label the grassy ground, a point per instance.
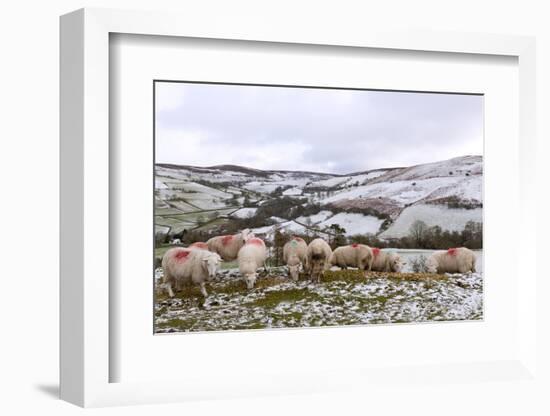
(344, 297)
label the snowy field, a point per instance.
(452, 219)
(344, 297)
(354, 223)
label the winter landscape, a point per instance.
(410, 213)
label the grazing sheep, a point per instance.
(318, 258)
(251, 257)
(175, 241)
(354, 255)
(294, 256)
(228, 246)
(453, 260)
(184, 266)
(386, 261)
(199, 245)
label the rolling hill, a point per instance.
(384, 202)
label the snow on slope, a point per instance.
(244, 212)
(458, 177)
(458, 166)
(268, 231)
(316, 218)
(452, 219)
(401, 193)
(348, 179)
(293, 191)
(354, 223)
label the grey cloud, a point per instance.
(340, 131)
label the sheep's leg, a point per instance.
(203, 290)
(167, 281)
(168, 286)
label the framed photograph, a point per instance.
(262, 192)
(304, 204)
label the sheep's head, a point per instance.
(211, 263)
(397, 263)
(431, 265)
(294, 271)
(245, 235)
(250, 279)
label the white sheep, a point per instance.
(353, 255)
(175, 241)
(318, 258)
(386, 261)
(294, 256)
(251, 257)
(199, 245)
(228, 246)
(183, 266)
(453, 260)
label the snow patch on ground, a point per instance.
(354, 223)
(403, 192)
(452, 219)
(293, 191)
(244, 212)
(160, 185)
(316, 218)
(341, 302)
(264, 187)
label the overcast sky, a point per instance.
(335, 131)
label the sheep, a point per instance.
(251, 257)
(184, 266)
(199, 245)
(294, 256)
(175, 242)
(318, 258)
(354, 255)
(228, 246)
(386, 261)
(453, 260)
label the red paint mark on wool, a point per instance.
(182, 255)
(355, 245)
(297, 238)
(255, 241)
(375, 251)
(200, 244)
(452, 251)
(226, 239)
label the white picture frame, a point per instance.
(85, 210)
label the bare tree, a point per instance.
(418, 232)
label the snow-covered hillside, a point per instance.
(446, 193)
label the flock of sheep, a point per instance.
(199, 262)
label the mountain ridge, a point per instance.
(243, 168)
(446, 193)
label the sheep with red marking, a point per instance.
(294, 256)
(251, 257)
(386, 261)
(353, 255)
(453, 260)
(228, 246)
(185, 266)
(318, 258)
